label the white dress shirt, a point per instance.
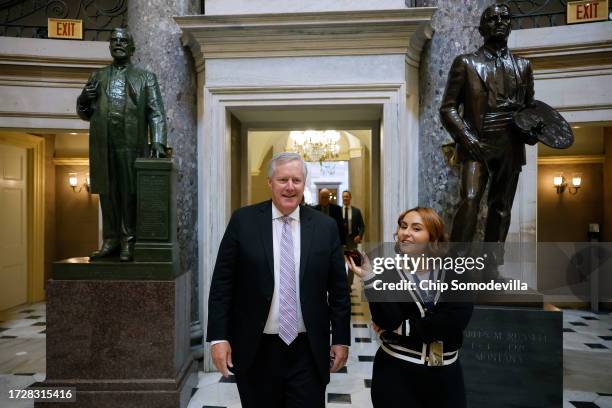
(277, 230)
(349, 210)
(271, 326)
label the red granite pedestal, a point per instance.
(119, 333)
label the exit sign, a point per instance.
(63, 28)
(586, 11)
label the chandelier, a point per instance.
(316, 145)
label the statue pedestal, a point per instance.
(511, 299)
(513, 357)
(119, 333)
(156, 217)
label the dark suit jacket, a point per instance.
(144, 113)
(335, 211)
(445, 322)
(471, 85)
(357, 224)
(243, 284)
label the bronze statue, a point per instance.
(123, 104)
(484, 91)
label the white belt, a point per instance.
(423, 359)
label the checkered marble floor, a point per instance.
(587, 360)
(22, 350)
(27, 321)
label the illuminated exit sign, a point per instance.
(586, 11)
(63, 28)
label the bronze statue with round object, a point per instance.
(489, 110)
(545, 124)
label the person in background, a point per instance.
(353, 226)
(333, 210)
(421, 331)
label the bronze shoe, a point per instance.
(110, 247)
(127, 252)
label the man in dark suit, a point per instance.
(278, 283)
(353, 226)
(331, 209)
(489, 86)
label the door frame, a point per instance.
(395, 144)
(372, 209)
(35, 147)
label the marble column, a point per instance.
(455, 25)
(159, 49)
(607, 227)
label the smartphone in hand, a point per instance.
(355, 255)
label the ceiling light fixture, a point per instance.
(316, 145)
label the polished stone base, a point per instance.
(121, 343)
(132, 393)
(519, 348)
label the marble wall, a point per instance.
(159, 49)
(41, 79)
(455, 25)
(75, 233)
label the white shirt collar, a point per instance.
(295, 215)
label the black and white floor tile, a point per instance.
(27, 321)
(587, 343)
(22, 350)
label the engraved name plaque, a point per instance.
(156, 224)
(520, 348)
(153, 206)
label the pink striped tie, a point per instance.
(287, 324)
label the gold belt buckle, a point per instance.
(436, 354)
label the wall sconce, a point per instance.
(560, 183)
(576, 183)
(73, 180)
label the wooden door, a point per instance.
(13, 226)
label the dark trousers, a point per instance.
(119, 205)
(401, 384)
(351, 245)
(474, 178)
(282, 376)
(504, 152)
(350, 278)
